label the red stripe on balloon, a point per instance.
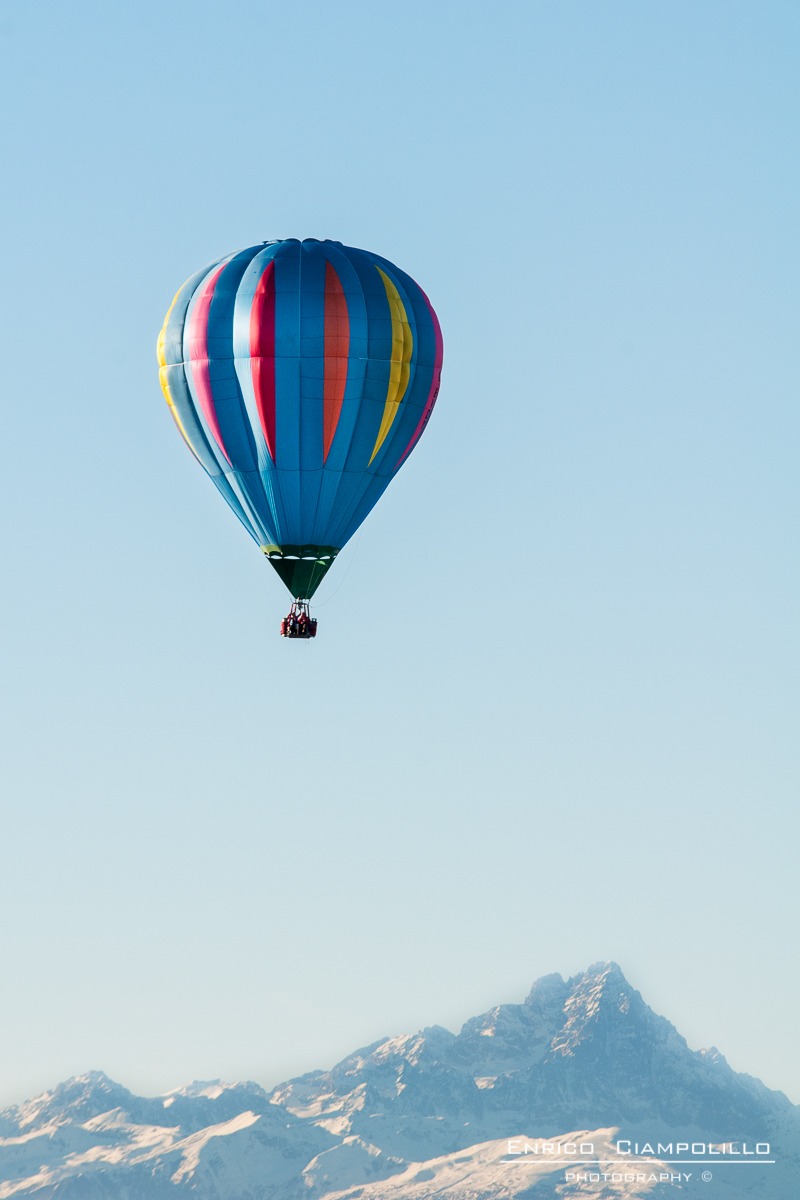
(435, 383)
(198, 356)
(336, 352)
(262, 354)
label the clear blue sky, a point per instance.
(551, 715)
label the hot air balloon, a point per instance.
(301, 375)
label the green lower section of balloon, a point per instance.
(302, 568)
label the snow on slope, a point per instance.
(484, 1173)
(417, 1115)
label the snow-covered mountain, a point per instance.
(581, 1064)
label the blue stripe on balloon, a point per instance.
(312, 356)
(287, 386)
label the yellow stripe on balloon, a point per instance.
(162, 375)
(400, 367)
(162, 337)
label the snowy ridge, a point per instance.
(426, 1114)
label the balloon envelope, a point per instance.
(301, 375)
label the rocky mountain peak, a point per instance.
(603, 997)
(547, 992)
(78, 1098)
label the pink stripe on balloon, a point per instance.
(197, 338)
(262, 354)
(336, 352)
(435, 383)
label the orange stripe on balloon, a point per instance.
(336, 352)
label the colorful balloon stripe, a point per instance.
(336, 352)
(262, 354)
(197, 338)
(435, 384)
(402, 349)
(163, 376)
